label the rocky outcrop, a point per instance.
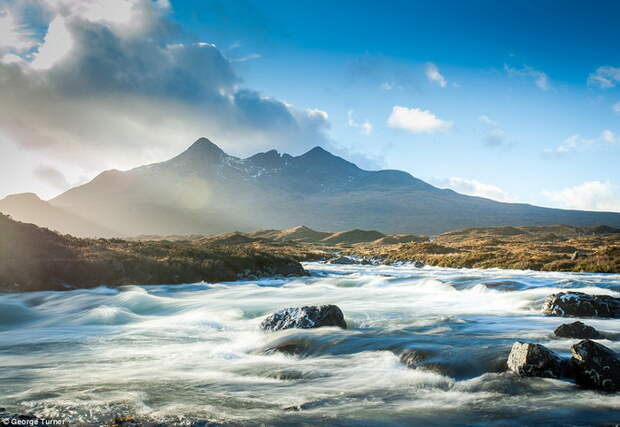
(306, 317)
(577, 330)
(579, 304)
(535, 360)
(596, 366)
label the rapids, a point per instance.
(182, 353)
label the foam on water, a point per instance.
(194, 351)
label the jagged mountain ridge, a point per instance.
(204, 190)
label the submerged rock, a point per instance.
(412, 357)
(423, 360)
(577, 330)
(418, 264)
(306, 317)
(342, 260)
(581, 305)
(535, 360)
(596, 366)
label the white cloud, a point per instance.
(579, 143)
(616, 107)
(591, 195)
(57, 44)
(473, 187)
(416, 120)
(434, 76)
(540, 78)
(364, 127)
(605, 77)
(315, 112)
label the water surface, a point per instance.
(194, 352)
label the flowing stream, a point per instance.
(186, 353)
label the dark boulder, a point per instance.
(306, 317)
(535, 360)
(581, 305)
(577, 330)
(418, 264)
(596, 366)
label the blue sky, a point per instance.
(515, 100)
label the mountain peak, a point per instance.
(203, 144)
(201, 152)
(317, 151)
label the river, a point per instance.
(185, 353)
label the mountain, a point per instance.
(28, 207)
(204, 190)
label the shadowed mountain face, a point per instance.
(205, 190)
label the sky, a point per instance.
(516, 101)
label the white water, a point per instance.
(194, 352)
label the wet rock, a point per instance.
(306, 317)
(581, 305)
(424, 360)
(293, 347)
(505, 285)
(577, 330)
(412, 357)
(418, 264)
(342, 260)
(596, 366)
(535, 360)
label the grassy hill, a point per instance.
(549, 248)
(34, 258)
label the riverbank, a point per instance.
(35, 259)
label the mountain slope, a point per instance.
(28, 207)
(204, 190)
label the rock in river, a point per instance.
(577, 330)
(306, 317)
(581, 305)
(535, 360)
(596, 366)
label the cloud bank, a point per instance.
(473, 187)
(114, 84)
(591, 195)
